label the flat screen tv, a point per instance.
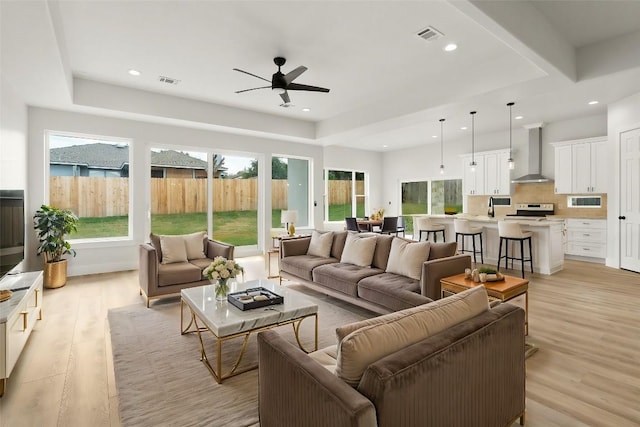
(12, 231)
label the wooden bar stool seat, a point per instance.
(464, 229)
(512, 232)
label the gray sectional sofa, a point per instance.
(377, 286)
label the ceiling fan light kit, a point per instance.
(282, 83)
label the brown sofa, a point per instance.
(371, 287)
(158, 279)
(469, 374)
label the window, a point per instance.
(290, 189)
(89, 175)
(430, 198)
(346, 194)
(178, 198)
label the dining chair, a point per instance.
(352, 224)
(400, 228)
(389, 225)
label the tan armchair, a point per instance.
(158, 280)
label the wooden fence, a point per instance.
(99, 197)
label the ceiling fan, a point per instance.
(281, 83)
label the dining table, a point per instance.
(368, 224)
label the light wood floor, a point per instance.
(585, 321)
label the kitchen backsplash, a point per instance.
(537, 193)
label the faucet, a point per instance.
(490, 212)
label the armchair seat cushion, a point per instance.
(391, 290)
(327, 357)
(178, 272)
(302, 265)
(342, 277)
(201, 264)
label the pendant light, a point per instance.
(510, 160)
(441, 147)
(473, 163)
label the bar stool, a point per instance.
(426, 225)
(464, 229)
(511, 231)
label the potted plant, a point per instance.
(52, 225)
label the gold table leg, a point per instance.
(217, 372)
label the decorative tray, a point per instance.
(254, 298)
(5, 294)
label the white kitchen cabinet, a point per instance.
(580, 166)
(492, 175)
(587, 237)
(473, 179)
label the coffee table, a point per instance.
(226, 322)
(504, 290)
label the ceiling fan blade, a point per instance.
(255, 88)
(292, 75)
(285, 97)
(251, 74)
(296, 86)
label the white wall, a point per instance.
(13, 139)
(622, 116)
(369, 162)
(120, 255)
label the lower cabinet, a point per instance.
(22, 311)
(587, 237)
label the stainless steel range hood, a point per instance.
(535, 158)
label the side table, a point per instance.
(270, 253)
(504, 290)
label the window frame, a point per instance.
(310, 187)
(354, 207)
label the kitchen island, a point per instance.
(547, 239)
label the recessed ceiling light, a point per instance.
(134, 72)
(434, 136)
(306, 109)
(592, 102)
(463, 128)
(519, 117)
(385, 146)
(450, 47)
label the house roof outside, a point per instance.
(110, 156)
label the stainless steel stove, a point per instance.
(533, 211)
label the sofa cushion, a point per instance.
(383, 247)
(327, 357)
(194, 243)
(442, 250)
(392, 291)
(302, 265)
(155, 242)
(320, 244)
(173, 249)
(177, 273)
(201, 264)
(358, 250)
(339, 239)
(342, 277)
(406, 257)
(382, 336)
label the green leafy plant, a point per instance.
(52, 225)
(487, 270)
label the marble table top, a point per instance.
(224, 319)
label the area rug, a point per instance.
(161, 380)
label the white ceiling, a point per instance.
(388, 86)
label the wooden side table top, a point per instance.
(506, 289)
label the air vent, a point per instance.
(430, 34)
(168, 80)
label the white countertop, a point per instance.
(542, 222)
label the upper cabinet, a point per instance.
(491, 176)
(580, 166)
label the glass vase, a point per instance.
(221, 288)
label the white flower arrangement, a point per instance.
(222, 268)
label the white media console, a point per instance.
(18, 316)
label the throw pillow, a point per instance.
(194, 243)
(406, 258)
(358, 250)
(173, 249)
(155, 242)
(320, 244)
(384, 335)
